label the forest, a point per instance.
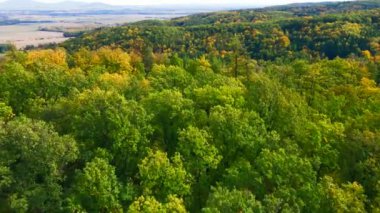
(265, 110)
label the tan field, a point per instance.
(22, 35)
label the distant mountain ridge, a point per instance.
(66, 5)
(73, 6)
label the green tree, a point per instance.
(162, 177)
(96, 188)
(195, 145)
(33, 164)
(236, 133)
(200, 156)
(148, 59)
(171, 77)
(346, 198)
(16, 86)
(171, 112)
(104, 119)
(218, 95)
(6, 112)
(287, 177)
(230, 201)
(238, 52)
(151, 205)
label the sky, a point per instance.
(155, 2)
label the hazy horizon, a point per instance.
(200, 2)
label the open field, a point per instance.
(25, 34)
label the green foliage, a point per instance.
(13, 83)
(5, 112)
(224, 200)
(196, 149)
(267, 110)
(96, 188)
(148, 59)
(149, 204)
(325, 30)
(171, 77)
(163, 177)
(171, 112)
(105, 119)
(237, 133)
(285, 176)
(347, 198)
(33, 161)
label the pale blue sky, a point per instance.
(148, 2)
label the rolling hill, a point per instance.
(269, 110)
(66, 5)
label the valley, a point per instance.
(35, 29)
(22, 36)
(27, 23)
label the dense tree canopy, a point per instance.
(270, 110)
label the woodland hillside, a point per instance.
(265, 110)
